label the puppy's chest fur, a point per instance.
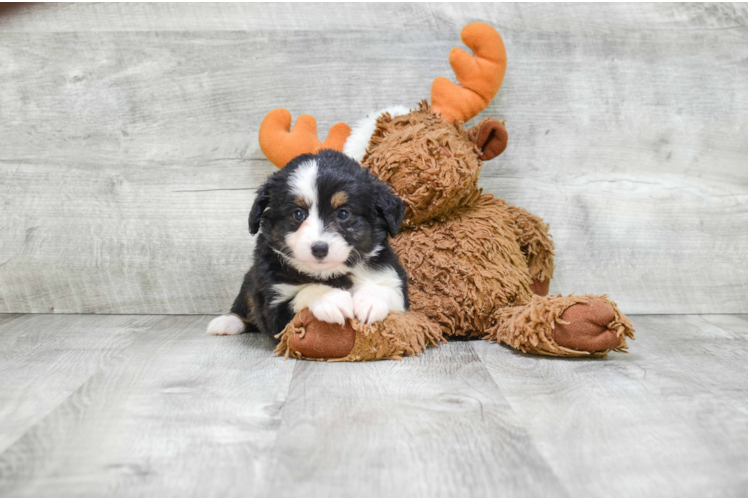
(357, 277)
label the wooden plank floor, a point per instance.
(149, 406)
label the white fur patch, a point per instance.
(357, 143)
(374, 252)
(303, 183)
(317, 273)
(328, 304)
(228, 324)
(376, 293)
(285, 292)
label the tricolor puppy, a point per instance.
(323, 223)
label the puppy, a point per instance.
(323, 223)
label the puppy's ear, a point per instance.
(261, 202)
(390, 208)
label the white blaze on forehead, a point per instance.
(303, 184)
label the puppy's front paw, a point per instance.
(370, 307)
(228, 324)
(333, 307)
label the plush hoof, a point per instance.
(320, 339)
(540, 287)
(585, 327)
(396, 336)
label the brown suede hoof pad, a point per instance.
(320, 339)
(540, 287)
(585, 327)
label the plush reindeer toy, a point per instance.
(477, 266)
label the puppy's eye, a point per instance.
(343, 214)
(299, 214)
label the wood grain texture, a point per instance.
(176, 412)
(561, 18)
(668, 419)
(7, 318)
(149, 406)
(434, 426)
(129, 156)
(45, 358)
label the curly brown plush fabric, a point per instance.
(475, 262)
(463, 265)
(530, 328)
(431, 164)
(534, 241)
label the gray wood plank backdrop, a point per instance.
(129, 156)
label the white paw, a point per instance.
(228, 324)
(333, 307)
(370, 307)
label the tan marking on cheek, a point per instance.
(338, 199)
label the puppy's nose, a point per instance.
(319, 250)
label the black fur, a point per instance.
(375, 213)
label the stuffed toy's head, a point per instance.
(426, 155)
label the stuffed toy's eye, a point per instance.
(343, 214)
(299, 215)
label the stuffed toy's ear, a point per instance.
(390, 208)
(259, 206)
(490, 136)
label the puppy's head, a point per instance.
(323, 213)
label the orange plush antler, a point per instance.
(480, 75)
(280, 144)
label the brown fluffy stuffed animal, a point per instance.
(477, 266)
